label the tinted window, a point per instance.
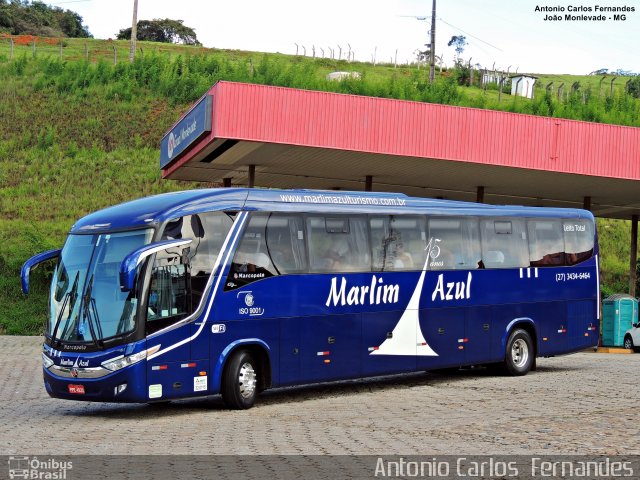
(504, 243)
(398, 242)
(180, 275)
(546, 243)
(252, 261)
(338, 244)
(285, 243)
(579, 239)
(455, 243)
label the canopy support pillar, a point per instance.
(252, 176)
(368, 183)
(633, 256)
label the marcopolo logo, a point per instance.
(35, 468)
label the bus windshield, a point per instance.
(86, 303)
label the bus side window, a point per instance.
(579, 238)
(398, 242)
(456, 243)
(285, 243)
(546, 243)
(504, 243)
(251, 261)
(338, 244)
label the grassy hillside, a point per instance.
(82, 134)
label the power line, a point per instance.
(467, 33)
(70, 1)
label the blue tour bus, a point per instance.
(233, 291)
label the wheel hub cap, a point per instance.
(519, 352)
(247, 380)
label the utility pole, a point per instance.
(134, 31)
(432, 50)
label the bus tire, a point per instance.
(520, 354)
(240, 381)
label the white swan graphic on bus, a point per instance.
(407, 337)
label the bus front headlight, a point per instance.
(122, 361)
(46, 361)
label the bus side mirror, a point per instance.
(32, 263)
(130, 263)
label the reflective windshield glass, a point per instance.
(86, 301)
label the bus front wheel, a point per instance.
(520, 354)
(240, 381)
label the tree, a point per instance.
(20, 17)
(459, 42)
(162, 30)
(633, 87)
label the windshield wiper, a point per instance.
(128, 311)
(69, 298)
(89, 304)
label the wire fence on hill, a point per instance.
(14, 46)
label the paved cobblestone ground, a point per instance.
(584, 403)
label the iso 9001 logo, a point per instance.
(26, 467)
(249, 300)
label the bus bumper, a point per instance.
(127, 385)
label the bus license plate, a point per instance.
(77, 389)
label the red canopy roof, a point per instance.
(298, 138)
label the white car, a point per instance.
(632, 338)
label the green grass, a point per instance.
(80, 135)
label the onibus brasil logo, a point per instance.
(32, 468)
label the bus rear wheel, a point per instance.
(520, 354)
(240, 381)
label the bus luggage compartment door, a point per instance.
(444, 332)
(551, 318)
(477, 336)
(377, 328)
(582, 324)
(329, 347)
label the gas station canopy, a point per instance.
(245, 134)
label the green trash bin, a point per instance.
(619, 312)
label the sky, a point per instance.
(505, 33)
